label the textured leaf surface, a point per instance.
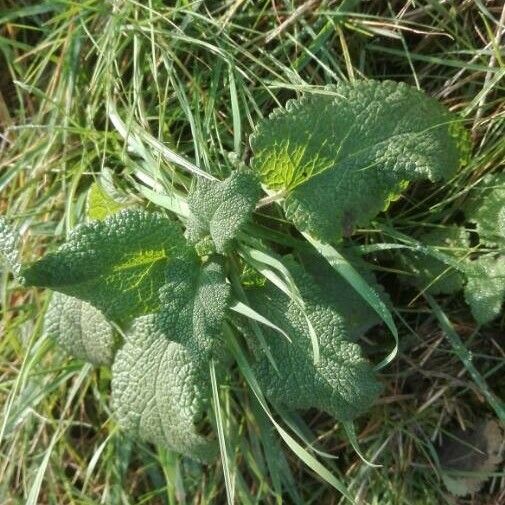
(220, 209)
(99, 204)
(432, 273)
(486, 208)
(118, 265)
(193, 303)
(485, 292)
(341, 157)
(159, 390)
(357, 314)
(9, 246)
(80, 329)
(342, 383)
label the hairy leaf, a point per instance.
(220, 209)
(486, 208)
(160, 376)
(159, 390)
(342, 383)
(80, 329)
(433, 274)
(9, 246)
(194, 300)
(485, 291)
(117, 265)
(358, 316)
(342, 155)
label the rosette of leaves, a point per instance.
(333, 160)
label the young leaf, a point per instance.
(193, 303)
(99, 204)
(486, 208)
(342, 383)
(340, 157)
(159, 390)
(117, 264)
(220, 209)
(485, 291)
(80, 329)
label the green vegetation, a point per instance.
(252, 329)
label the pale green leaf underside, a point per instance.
(80, 329)
(193, 303)
(485, 292)
(159, 390)
(486, 208)
(99, 204)
(342, 383)
(118, 265)
(432, 274)
(220, 209)
(9, 246)
(341, 158)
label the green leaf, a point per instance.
(159, 390)
(342, 383)
(486, 208)
(99, 204)
(293, 445)
(485, 291)
(432, 274)
(358, 315)
(9, 246)
(117, 265)
(80, 329)
(160, 376)
(220, 209)
(368, 293)
(193, 303)
(340, 157)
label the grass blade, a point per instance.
(466, 358)
(349, 273)
(230, 491)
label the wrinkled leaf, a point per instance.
(486, 208)
(9, 246)
(193, 303)
(118, 264)
(341, 156)
(220, 209)
(485, 291)
(342, 383)
(161, 375)
(160, 391)
(80, 329)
